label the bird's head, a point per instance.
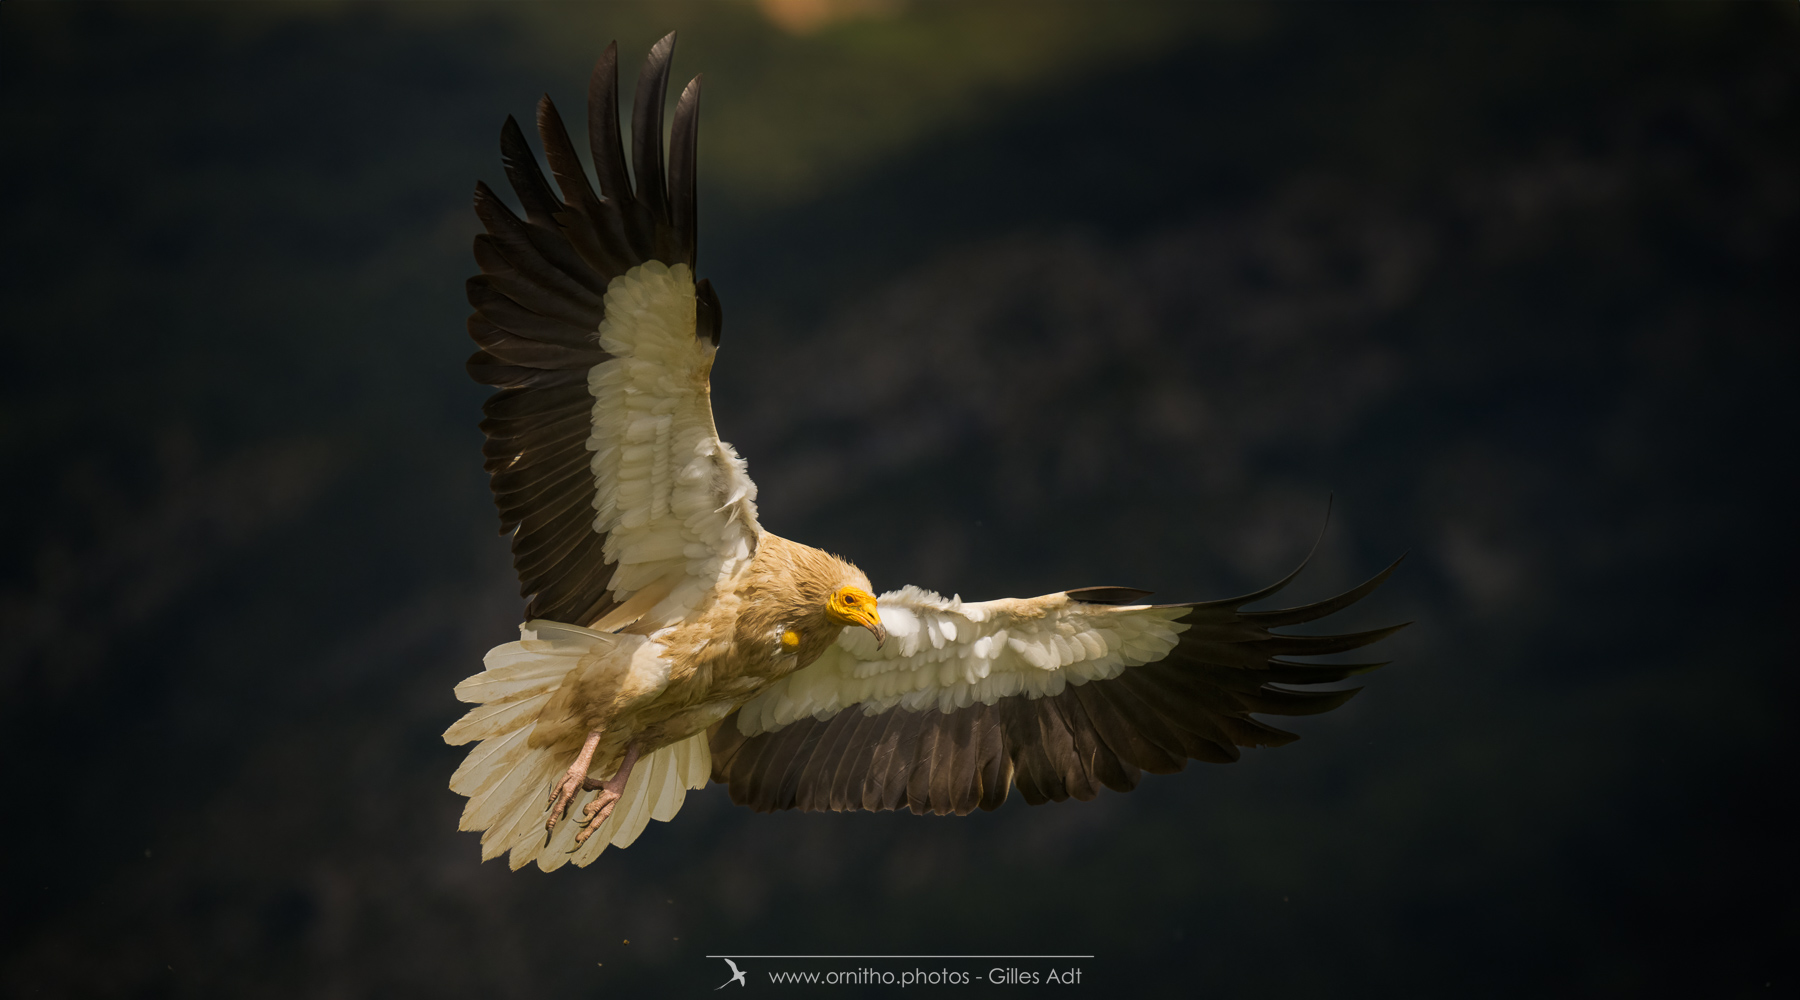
(855, 606)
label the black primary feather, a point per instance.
(1194, 704)
(538, 306)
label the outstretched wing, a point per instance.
(1057, 695)
(601, 451)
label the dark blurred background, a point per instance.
(1017, 298)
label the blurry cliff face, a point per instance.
(1514, 287)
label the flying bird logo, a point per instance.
(737, 976)
(670, 640)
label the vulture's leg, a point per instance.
(611, 789)
(565, 790)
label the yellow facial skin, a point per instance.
(855, 606)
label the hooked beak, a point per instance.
(855, 606)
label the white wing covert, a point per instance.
(945, 654)
(1058, 696)
(623, 503)
(675, 503)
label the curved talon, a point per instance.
(611, 791)
(561, 795)
(595, 813)
(571, 785)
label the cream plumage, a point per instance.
(671, 640)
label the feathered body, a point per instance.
(704, 669)
(542, 695)
(671, 640)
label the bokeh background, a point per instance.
(1018, 297)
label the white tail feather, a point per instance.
(508, 781)
(668, 792)
(516, 680)
(509, 791)
(487, 721)
(487, 762)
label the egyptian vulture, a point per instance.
(670, 640)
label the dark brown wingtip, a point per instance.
(1320, 645)
(1310, 612)
(604, 142)
(1234, 603)
(1107, 595)
(565, 166)
(487, 204)
(709, 318)
(646, 127)
(1272, 700)
(524, 174)
(684, 138)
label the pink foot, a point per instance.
(564, 791)
(611, 790)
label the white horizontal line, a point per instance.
(899, 956)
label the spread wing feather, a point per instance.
(601, 450)
(1057, 696)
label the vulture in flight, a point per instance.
(670, 640)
